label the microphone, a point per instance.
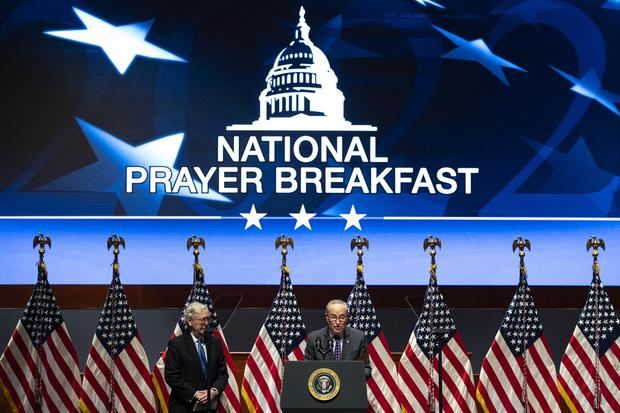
(330, 343)
(318, 344)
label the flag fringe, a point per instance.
(569, 403)
(482, 402)
(163, 406)
(247, 401)
(83, 407)
(7, 397)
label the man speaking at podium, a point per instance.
(337, 341)
(195, 365)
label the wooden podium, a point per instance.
(325, 386)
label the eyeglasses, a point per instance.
(334, 318)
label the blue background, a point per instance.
(542, 149)
(474, 252)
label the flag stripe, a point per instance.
(383, 375)
(580, 371)
(14, 400)
(418, 375)
(51, 398)
(63, 335)
(543, 375)
(410, 391)
(130, 372)
(379, 398)
(535, 398)
(60, 344)
(497, 398)
(453, 365)
(23, 378)
(56, 391)
(265, 389)
(230, 401)
(575, 380)
(448, 387)
(267, 361)
(510, 368)
(90, 382)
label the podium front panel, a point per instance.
(297, 398)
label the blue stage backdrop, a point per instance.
(243, 120)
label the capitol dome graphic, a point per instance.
(301, 91)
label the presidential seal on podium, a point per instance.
(324, 384)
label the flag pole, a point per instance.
(594, 243)
(283, 242)
(41, 241)
(521, 244)
(196, 243)
(431, 243)
(114, 241)
(359, 243)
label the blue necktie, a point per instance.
(337, 349)
(203, 357)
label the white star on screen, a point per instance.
(303, 218)
(253, 218)
(353, 219)
(121, 44)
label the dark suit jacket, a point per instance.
(184, 374)
(354, 346)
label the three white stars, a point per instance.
(302, 218)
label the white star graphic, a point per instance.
(303, 218)
(120, 43)
(253, 218)
(107, 174)
(353, 219)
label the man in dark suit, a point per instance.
(195, 365)
(346, 342)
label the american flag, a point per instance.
(435, 331)
(382, 389)
(39, 369)
(519, 354)
(117, 376)
(229, 401)
(281, 338)
(578, 370)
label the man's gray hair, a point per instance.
(340, 302)
(192, 309)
